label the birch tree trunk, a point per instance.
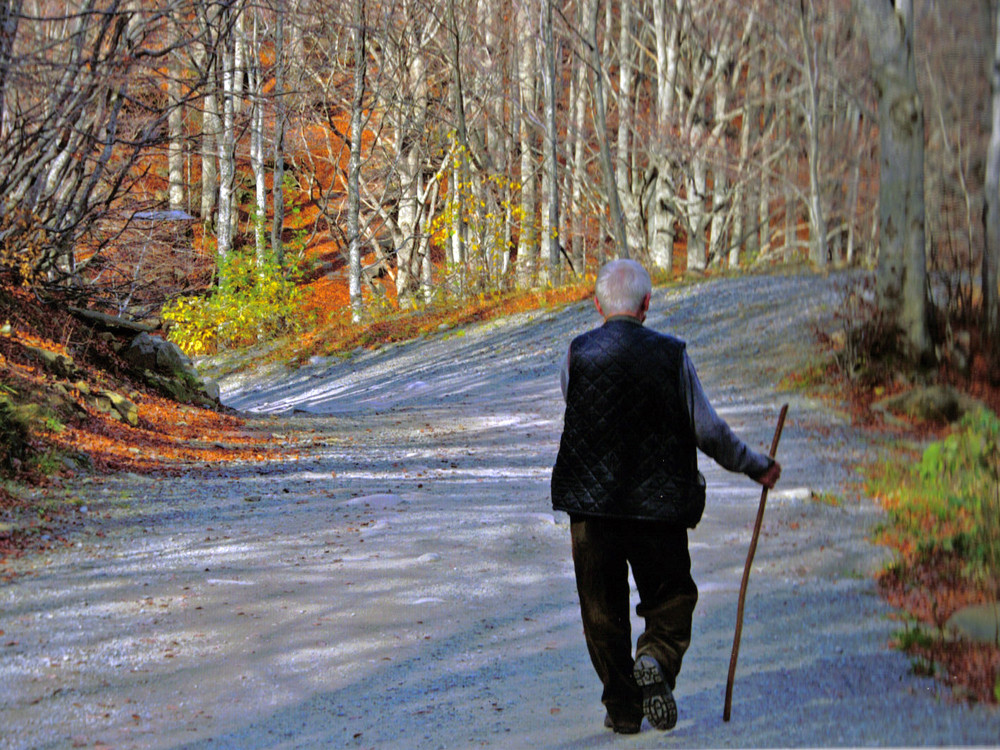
(766, 180)
(280, 127)
(410, 243)
(578, 176)
(239, 55)
(901, 276)
(462, 177)
(741, 209)
(210, 126)
(720, 175)
(697, 188)
(10, 16)
(607, 164)
(817, 219)
(789, 195)
(227, 143)
(854, 123)
(550, 226)
(256, 85)
(991, 214)
(175, 128)
(358, 37)
(626, 112)
(527, 242)
(664, 198)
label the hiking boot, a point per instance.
(623, 726)
(657, 700)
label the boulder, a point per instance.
(185, 389)
(163, 365)
(211, 389)
(147, 352)
(979, 623)
(60, 365)
(121, 407)
(115, 405)
(935, 403)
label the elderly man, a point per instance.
(627, 474)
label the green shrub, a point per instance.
(251, 303)
(949, 502)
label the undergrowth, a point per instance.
(253, 302)
(942, 502)
(948, 503)
(943, 521)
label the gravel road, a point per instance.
(405, 584)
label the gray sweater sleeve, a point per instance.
(714, 437)
(564, 375)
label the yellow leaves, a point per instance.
(25, 241)
(251, 303)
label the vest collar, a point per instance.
(623, 319)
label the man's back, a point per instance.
(627, 448)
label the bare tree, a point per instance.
(550, 226)
(527, 89)
(579, 139)
(601, 118)
(991, 214)
(82, 113)
(358, 37)
(226, 141)
(627, 181)
(662, 190)
(902, 271)
(255, 79)
(175, 125)
(280, 127)
(812, 74)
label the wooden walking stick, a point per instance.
(746, 574)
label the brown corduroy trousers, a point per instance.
(603, 551)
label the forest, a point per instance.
(330, 175)
(419, 153)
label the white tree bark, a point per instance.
(410, 242)
(462, 177)
(210, 127)
(175, 130)
(991, 218)
(10, 16)
(626, 110)
(617, 217)
(901, 276)
(666, 29)
(227, 145)
(697, 191)
(812, 71)
(280, 127)
(527, 242)
(854, 124)
(740, 208)
(358, 41)
(256, 85)
(550, 223)
(720, 159)
(578, 175)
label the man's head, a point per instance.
(623, 288)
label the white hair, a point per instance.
(622, 285)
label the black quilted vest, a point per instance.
(627, 448)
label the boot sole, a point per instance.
(658, 703)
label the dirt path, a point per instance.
(405, 584)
